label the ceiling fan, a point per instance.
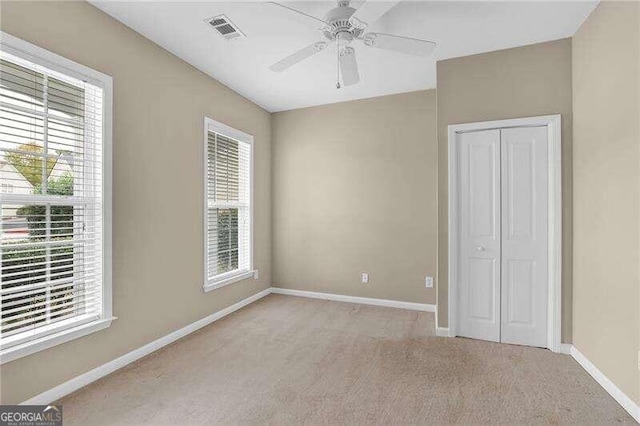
(344, 25)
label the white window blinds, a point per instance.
(228, 205)
(51, 202)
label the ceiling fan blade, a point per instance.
(298, 56)
(306, 17)
(349, 66)
(370, 12)
(410, 46)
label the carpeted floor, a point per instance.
(292, 360)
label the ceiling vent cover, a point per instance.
(223, 26)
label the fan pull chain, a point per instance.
(338, 64)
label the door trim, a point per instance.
(554, 128)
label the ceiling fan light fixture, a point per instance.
(320, 45)
(369, 40)
(349, 66)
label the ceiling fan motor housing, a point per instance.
(340, 26)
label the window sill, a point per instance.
(14, 352)
(212, 285)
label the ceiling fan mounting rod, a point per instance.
(337, 64)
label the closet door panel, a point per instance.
(479, 249)
(524, 187)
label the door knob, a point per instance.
(480, 248)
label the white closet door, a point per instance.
(479, 273)
(524, 236)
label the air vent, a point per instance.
(223, 26)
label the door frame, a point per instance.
(554, 145)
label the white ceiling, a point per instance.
(460, 29)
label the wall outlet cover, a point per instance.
(428, 282)
(365, 278)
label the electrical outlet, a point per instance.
(365, 278)
(256, 275)
(428, 282)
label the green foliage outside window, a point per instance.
(28, 162)
(26, 266)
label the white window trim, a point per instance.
(47, 59)
(222, 280)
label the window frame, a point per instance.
(230, 277)
(81, 327)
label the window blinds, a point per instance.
(228, 216)
(51, 201)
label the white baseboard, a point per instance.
(627, 403)
(97, 373)
(354, 299)
(565, 348)
(442, 331)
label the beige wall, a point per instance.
(159, 104)
(354, 190)
(522, 82)
(606, 159)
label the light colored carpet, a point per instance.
(292, 360)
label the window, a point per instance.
(228, 215)
(55, 230)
